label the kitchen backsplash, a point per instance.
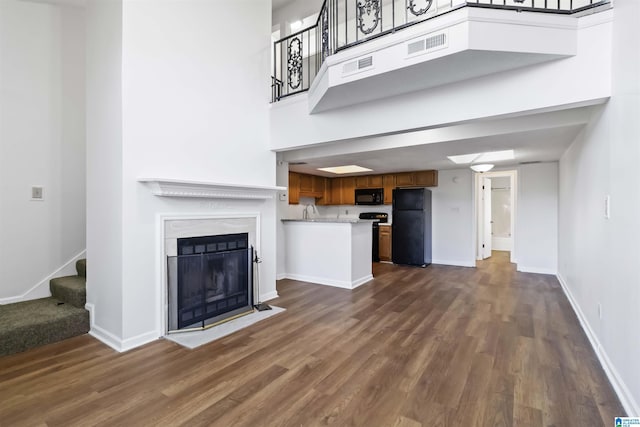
(343, 211)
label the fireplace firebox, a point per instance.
(210, 280)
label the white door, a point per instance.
(487, 223)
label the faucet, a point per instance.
(305, 212)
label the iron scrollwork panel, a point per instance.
(419, 7)
(325, 33)
(368, 15)
(294, 63)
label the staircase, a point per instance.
(29, 324)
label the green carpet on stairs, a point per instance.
(81, 267)
(70, 289)
(38, 322)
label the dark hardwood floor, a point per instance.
(441, 346)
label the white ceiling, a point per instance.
(277, 4)
(534, 138)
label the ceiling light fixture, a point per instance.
(296, 25)
(345, 169)
(484, 167)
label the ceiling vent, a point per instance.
(533, 162)
(358, 65)
(428, 44)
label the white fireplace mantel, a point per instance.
(208, 190)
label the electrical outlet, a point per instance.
(283, 197)
(37, 193)
(346, 211)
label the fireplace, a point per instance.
(210, 280)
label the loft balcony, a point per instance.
(362, 50)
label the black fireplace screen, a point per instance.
(210, 280)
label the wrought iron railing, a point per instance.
(345, 23)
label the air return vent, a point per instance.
(428, 44)
(357, 65)
(365, 62)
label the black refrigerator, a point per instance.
(411, 227)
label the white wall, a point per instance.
(194, 107)
(536, 234)
(104, 165)
(599, 257)
(42, 142)
(453, 218)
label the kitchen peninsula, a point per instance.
(329, 251)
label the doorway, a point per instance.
(496, 213)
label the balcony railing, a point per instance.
(345, 23)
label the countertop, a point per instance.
(330, 220)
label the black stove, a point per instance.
(381, 217)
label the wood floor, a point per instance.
(442, 346)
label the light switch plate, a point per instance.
(37, 193)
(607, 206)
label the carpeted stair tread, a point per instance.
(81, 267)
(70, 289)
(38, 322)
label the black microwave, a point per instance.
(369, 196)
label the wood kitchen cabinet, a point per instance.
(425, 178)
(303, 185)
(327, 193)
(340, 190)
(348, 189)
(404, 179)
(388, 184)
(294, 188)
(362, 181)
(384, 242)
(369, 181)
(306, 183)
(375, 181)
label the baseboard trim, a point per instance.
(281, 276)
(454, 263)
(113, 341)
(139, 340)
(335, 283)
(537, 270)
(626, 398)
(41, 289)
(269, 296)
(106, 337)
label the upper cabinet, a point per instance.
(369, 181)
(341, 190)
(294, 188)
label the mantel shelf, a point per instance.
(209, 190)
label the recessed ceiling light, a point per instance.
(463, 159)
(345, 169)
(496, 156)
(491, 156)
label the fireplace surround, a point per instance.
(213, 257)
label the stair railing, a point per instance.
(342, 24)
